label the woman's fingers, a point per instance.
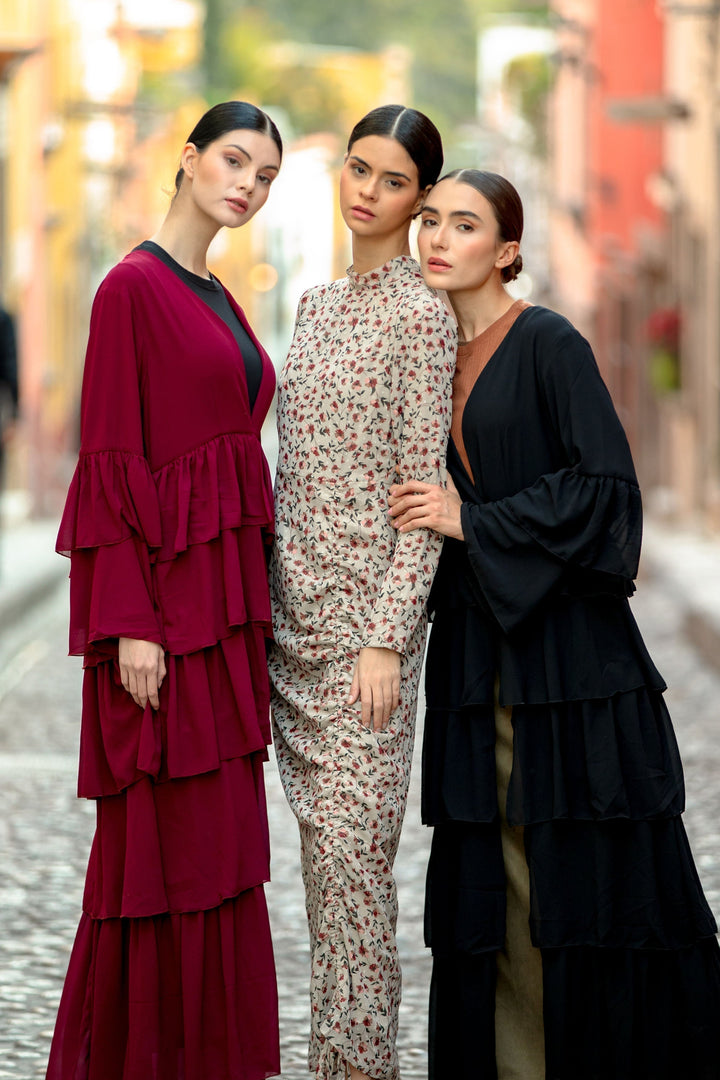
(400, 503)
(151, 691)
(377, 682)
(162, 670)
(354, 687)
(366, 702)
(395, 698)
(410, 487)
(379, 711)
(142, 670)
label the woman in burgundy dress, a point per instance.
(570, 935)
(167, 521)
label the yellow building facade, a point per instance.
(72, 125)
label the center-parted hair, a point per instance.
(230, 116)
(506, 204)
(413, 130)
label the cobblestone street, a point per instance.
(45, 833)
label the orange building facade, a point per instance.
(634, 240)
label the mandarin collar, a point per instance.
(375, 279)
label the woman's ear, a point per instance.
(420, 201)
(508, 255)
(188, 158)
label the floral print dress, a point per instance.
(364, 402)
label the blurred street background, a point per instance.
(603, 113)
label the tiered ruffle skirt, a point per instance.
(172, 974)
(631, 966)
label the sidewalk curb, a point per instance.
(29, 595)
(688, 565)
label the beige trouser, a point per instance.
(520, 1042)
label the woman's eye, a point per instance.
(232, 161)
(358, 170)
(264, 179)
(464, 227)
(394, 183)
(428, 223)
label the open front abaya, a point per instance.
(167, 523)
(531, 612)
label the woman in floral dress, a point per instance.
(364, 400)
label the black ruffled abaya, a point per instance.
(532, 610)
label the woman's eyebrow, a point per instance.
(465, 213)
(386, 172)
(236, 146)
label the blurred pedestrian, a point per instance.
(570, 935)
(9, 391)
(364, 398)
(166, 523)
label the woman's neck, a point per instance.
(186, 237)
(477, 309)
(369, 252)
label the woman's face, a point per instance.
(230, 179)
(379, 187)
(459, 242)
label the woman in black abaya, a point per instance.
(570, 935)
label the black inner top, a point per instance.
(212, 293)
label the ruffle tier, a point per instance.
(223, 484)
(610, 1014)
(568, 526)
(189, 996)
(112, 497)
(177, 555)
(607, 759)
(207, 591)
(622, 1015)
(615, 885)
(214, 706)
(577, 649)
(183, 846)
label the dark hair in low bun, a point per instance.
(229, 116)
(413, 130)
(507, 207)
(510, 272)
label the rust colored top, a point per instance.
(472, 356)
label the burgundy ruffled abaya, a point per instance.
(167, 523)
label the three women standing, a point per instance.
(364, 400)
(570, 935)
(166, 522)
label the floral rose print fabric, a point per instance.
(364, 402)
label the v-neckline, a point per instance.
(235, 307)
(466, 409)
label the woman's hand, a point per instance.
(376, 681)
(142, 669)
(415, 505)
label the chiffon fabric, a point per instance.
(167, 523)
(364, 400)
(534, 607)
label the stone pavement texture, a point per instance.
(45, 831)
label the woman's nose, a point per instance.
(246, 181)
